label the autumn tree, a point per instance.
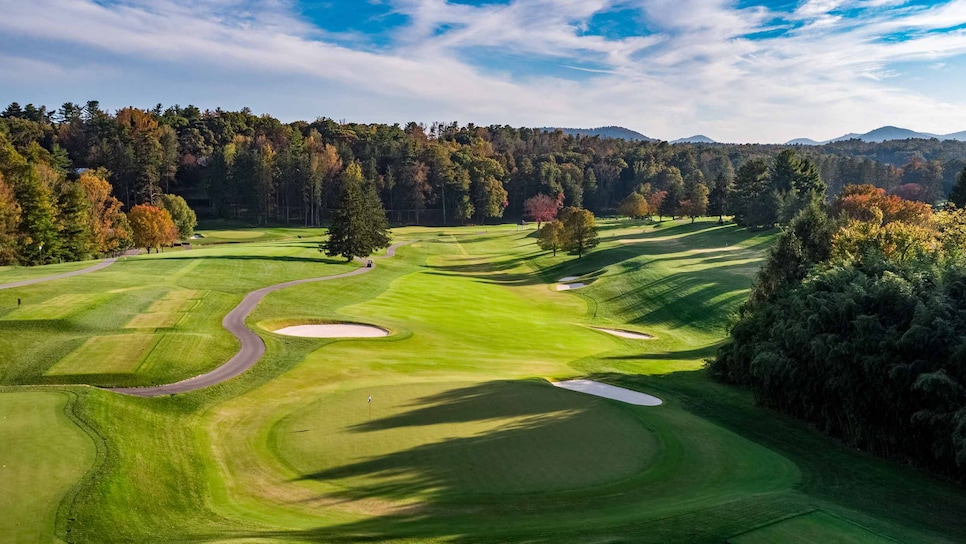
(183, 216)
(110, 230)
(542, 208)
(9, 219)
(151, 227)
(579, 230)
(695, 203)
(634, 206)
(551, 236)
(359, 224)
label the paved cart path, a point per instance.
(252, 346)
(99, 266)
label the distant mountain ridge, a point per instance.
(883, 134)
(604, 132)
(696, 139)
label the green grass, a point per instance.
(118, 353)
(814, 527)
(466, 440)
(42, 455)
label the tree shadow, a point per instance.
(273, 258)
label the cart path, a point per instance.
(252, 345)
(99, 266)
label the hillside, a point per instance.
(604, 132)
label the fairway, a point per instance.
(450, 428)
(120, 353)
(42, 455)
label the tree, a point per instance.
(542, 208)
(655, 201)
(718, 197)
(359, 224)
(752, 202)
(109, 226)
(958, 194)
(634, 206)
(551, 236)
(696, 200)
(151, 227)
(671, 205)
(9, 219)
(579, 230)
(74, 222)
(38, 236)
(183, 216)
(464, 209)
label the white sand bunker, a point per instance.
(612, 392)
(568, 279)
(625, 334)
(570, 286)
(334, 330)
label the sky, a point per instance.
(734, 70)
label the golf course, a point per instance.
(437, 422)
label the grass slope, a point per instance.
(467, 441)
(42, 455)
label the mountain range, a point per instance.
(883, 134)
(880, 134)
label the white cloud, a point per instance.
(694, 71)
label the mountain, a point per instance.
(883, 134)
(696, 139)
(620, 133)
(803, 141)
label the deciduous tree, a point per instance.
(634, 206)
(183, 216)
(151, 227)
(542, 208)
(551, 236)
(579, 230)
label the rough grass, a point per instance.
(813, 527)
(287, 452)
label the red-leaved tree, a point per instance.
(542, 208)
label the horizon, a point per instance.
(735, 71)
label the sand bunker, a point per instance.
(334, 330)
(625, 334)
(568, 279)
(570, 286)
(612, 392)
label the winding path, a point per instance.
(252, 345)
(99, 266)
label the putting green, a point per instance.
(233, 234)
(42, 454)
(115, 354)
(458, 440)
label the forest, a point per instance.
(857, 325)
(256, 169)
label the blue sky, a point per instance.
(735, 70)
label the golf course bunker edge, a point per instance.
(612, 392)
(333, 330)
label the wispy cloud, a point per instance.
(683, 67)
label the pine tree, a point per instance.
(958, 194)
(359, 224)
(39, 242)
(76, 229)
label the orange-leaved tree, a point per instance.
(151, 227)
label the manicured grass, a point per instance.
(813, 527)
(10, 274)
(467, 441)
(42, 455)
(115, 354)
(537, 439)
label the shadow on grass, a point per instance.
(274, 258)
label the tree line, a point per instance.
(857, 324)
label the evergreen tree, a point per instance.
(359, 224)
(750, 188)
(718, 197)
(76, 231)
(38, 236)
(958, 194)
